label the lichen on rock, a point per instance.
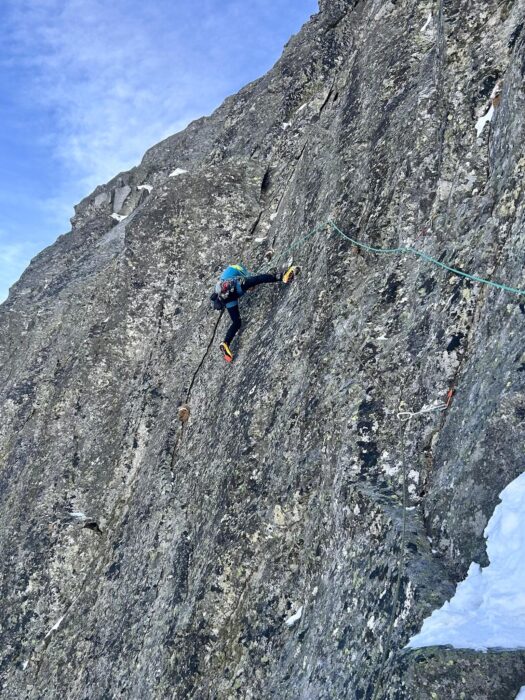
(285, 491)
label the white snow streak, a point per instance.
(178, 171)
(295, 618)
(480, 124)
(55, 627)
(488, 608)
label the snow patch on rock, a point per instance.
(295, 617)
(482, 121)
(78, 515)
(427, 23)
(488, 608)
(55, 627)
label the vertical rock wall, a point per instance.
(143, 559)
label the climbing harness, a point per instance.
(401, 250)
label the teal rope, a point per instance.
(429, 259)
(393, 251)
(296, 244)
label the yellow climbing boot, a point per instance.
(227, 353)
(290, 273)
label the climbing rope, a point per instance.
(405, 417)
(401, 250)
(296, 244)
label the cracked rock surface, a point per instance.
(262, 549)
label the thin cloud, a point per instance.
(90, 85)
(97, 71)
(9, 254)
(118, 77)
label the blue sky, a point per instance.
(88, 85)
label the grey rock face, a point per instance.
(120, 196)
(145, 558)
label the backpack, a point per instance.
(230, 288)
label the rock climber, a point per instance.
(233, 283)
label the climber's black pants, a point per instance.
(234, 310)
(236, 323)
(258, 279)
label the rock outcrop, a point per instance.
(262, 548)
